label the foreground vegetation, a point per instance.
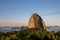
(30, 34)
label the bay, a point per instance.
(55, 29)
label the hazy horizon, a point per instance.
(18, 12)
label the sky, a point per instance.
(18, 12)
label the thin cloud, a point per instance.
(52, 13)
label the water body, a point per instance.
(55, 29)
(10, 29)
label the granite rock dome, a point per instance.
(36, 22)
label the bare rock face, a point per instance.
(36, 22)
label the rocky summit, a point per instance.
(36, 22)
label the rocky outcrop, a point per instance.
(36, 22)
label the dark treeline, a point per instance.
(30, 34)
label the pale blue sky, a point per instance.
(18, 12)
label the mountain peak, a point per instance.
(36, 22)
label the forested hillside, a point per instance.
(30, 34)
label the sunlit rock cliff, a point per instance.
(36, 22)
